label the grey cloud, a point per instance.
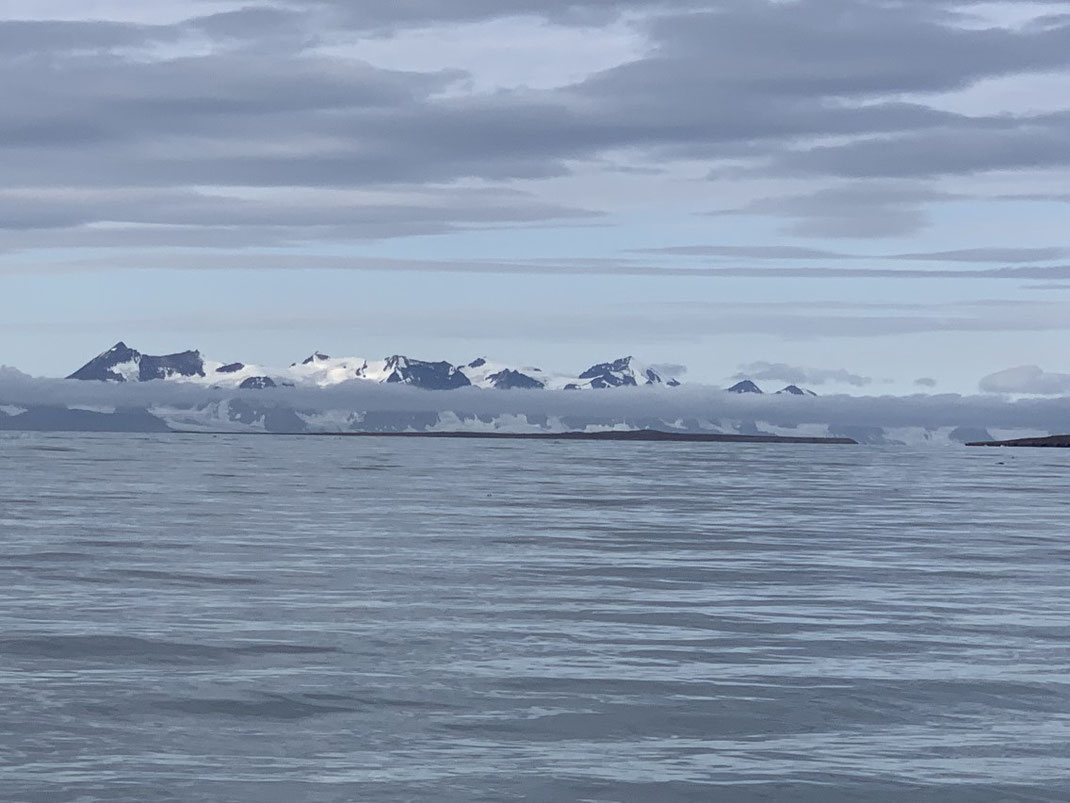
(722, 79)
(532, 267)
(249, 22)
(688, 402)
(857, 210)
(22, 38)
(797, 375)
(178, 213)
(1006, 255)
(1027, 379)
(786, 253)
(569, 323)
(955, 150)
(925, 382)
(772, 252)
(839, 48)
(420, 13)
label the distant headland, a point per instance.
(1053, 442)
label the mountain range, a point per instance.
(191, 393)
(122, 363)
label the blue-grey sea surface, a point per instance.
(229, 618)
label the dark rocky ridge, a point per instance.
(631, 436)
(102, 367)
(622, 373)
(514, 380)
(1052, 442)
(426, 375)
(746, 386)
(795, 390)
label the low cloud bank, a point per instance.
(688, 403)
(1030, 379)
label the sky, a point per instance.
(863, 196)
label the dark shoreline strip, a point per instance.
(631, 436)
(1054, 442)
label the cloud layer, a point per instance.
(248, 116)
(688, 403)
(1027, 379)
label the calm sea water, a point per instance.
(226, 618)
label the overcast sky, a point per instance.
(868, 196)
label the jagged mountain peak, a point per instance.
(795, 390)
(484, 373)
(316, 356)
(123, 364)
(746, 386)
(400, 369)
(120, 363)
(623, 372)
(514, 380)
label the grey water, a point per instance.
(227, 618)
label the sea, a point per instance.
(258, 618)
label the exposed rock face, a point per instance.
(795, 390)
(746, 386)
(1052, 442)
(124, 364)
(121, 363)
(102, 368)
(426, 375)
(625, 372)
(185, 364)
(514, 380)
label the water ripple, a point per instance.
(225, 618)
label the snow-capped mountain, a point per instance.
(626, 372)
(795, 390)
(323, 370)
(124, 364)
(426, 375)
(121, 363)
(486, 374)
(746, 386)
(256, 400)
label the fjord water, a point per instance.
(278, 619)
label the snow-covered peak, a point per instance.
(121, 363)
(746, 386)
(625, 372)
(426, 375)
(316, 357)
(486, 374)
(795, 390)
(124, 364)
(323, 371)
